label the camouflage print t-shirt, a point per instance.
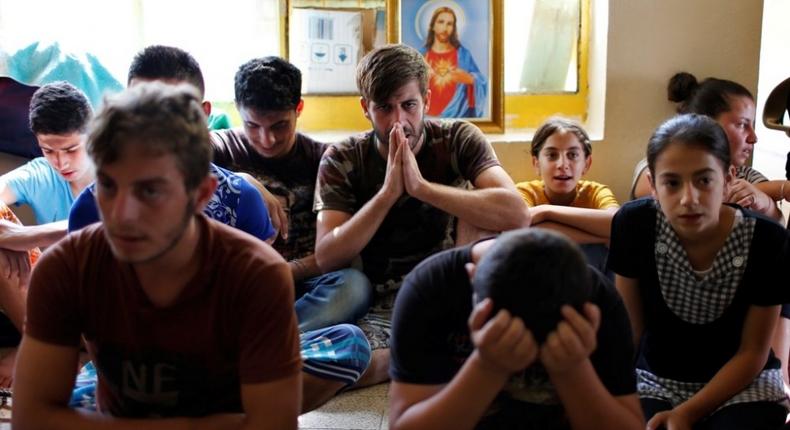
(352, 172)
(291, 178)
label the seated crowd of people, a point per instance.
(195, 278)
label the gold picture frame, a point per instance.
(405, 19)
(396, 13)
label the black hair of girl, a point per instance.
(710, 97)
(693, 130)
(557, 124)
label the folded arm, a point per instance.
(493, 205)
(596, 222)
(45, 377)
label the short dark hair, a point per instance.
(558, 124)
(59, 108)
(691, 129)
(532, 273)
(268, 84)
(388, 68)
(159, 62)
(711, 97)
(158, 119)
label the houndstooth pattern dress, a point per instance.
(701, 300)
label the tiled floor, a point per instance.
(364, 409)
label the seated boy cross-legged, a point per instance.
(522, 335)
(189, 322)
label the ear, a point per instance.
(207, 108)
(587, 164)
(652, 184)
(364, 104)
(427, 101)
(299, 107)
(470, 270)
(536, 165)
(204, 192)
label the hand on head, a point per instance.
(574, 339)
(503, 344)
(506, 346)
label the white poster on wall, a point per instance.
(325, 45)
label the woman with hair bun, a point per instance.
(732, 106)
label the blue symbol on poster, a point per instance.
(343, 54)
(319, 53)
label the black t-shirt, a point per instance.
(291, 178)
(430, 343)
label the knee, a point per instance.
(356, 287)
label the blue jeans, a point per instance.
(333, 298)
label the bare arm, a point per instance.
(734, 376)
(628, 289)
(777, 190)
(576, 235)
(340, 236)
(502, 346)
(566, 357)
(7, 195)
(493, 205)
(45, 375)
(597, 222)
(22, 238)
(304, 268)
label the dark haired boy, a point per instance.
(236, 202)
(535, 340)
(268, 147)
(393, 195)
(59, 114)
(170, 304)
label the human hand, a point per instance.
(747, 195)
(10, 233)
(413, 182)
(503, 345)
(572, 342)
(462, 76)
(15, 264)
(277, 211)
(670, 420)
(393, 179)
(537, 214)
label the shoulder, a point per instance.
(239, 251)
(750, 175)
(453, 129)
(643, 207)
(353, 148)
(309, 143)
(228, 137)
(532, 186)
(81, 245)
(592, 186)
(34, 169)
(765, 226)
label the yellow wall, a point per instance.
(649, 40)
